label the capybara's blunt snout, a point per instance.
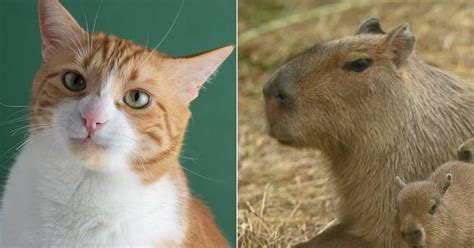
(277, 106)
(413, 238)
(275, 91)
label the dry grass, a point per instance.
(285, 196)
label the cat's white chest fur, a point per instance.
(52, 201)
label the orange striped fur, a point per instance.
(161, 125)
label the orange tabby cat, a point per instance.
(102, 167)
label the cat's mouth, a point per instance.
(92, 153)
(87, 143)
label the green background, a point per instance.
(210, 147)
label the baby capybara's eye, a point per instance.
(433, 209)
(357, 65)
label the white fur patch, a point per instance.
(52, 200)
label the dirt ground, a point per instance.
(285, 196)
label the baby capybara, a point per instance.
(376, 111)
(437, 213)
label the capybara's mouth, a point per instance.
(282, 139)
(286, 142)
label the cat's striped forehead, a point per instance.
(105, 54)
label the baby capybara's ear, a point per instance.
(400, 43)
(447, 183)
(400, 183)
(370, 26)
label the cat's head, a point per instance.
(105, 97)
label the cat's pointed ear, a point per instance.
(58, 27)
(193, 71)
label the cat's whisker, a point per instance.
(18, 146)
(13, 147)
(202, 176)
(130, 138)
(17, 112)
(95, 21)
(166, 34)
(13, 106)
(88, 35)
(147, 39)
(19, 106)
(44, 133)
(79, 44)
(21, 111)
(74, 51)
(32, 138)
(140, 159)
(25, 107)
(188, 158)
(29, 127)
(17, 120)
(36, 128)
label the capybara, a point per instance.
(437, 212)
(376, 111)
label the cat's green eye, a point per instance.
(74, 81)
(137, 99)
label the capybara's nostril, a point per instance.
(273, 92)
(281, 99)
(276, 87)
(412, 236)
(416, 233)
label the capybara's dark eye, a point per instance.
(433, 209)
(357, 65)
(464, 155)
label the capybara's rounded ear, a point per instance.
(400, 183)
(400, 43)
(447, 183)
(370, 26)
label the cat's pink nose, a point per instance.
(93, 121)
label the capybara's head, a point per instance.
(466, 151)
(327, 90)
(421, 212)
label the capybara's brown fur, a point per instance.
(376, 111)
(466, 151)
(437, 213)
